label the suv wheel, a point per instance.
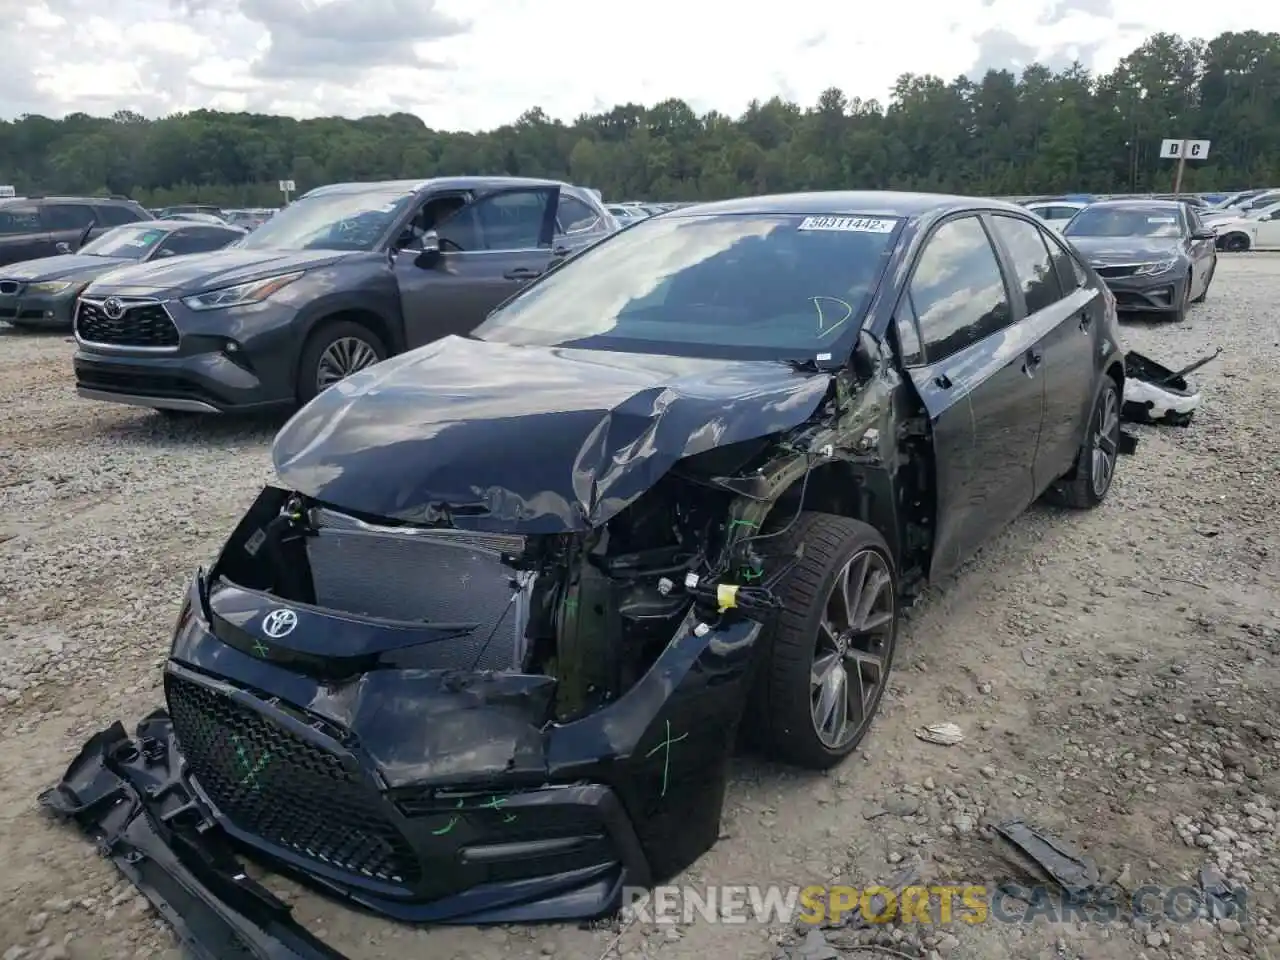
(1090, 480)
(829, 652)
(335, 352)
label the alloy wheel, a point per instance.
(1106, 443)
(342, 358)
(854, 646)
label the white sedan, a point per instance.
(1056, 213)
(1259, 229)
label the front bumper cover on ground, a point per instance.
(125, 796)
(1155, 394)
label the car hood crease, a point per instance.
(1127, 249)
(195, 273)
(526, 439)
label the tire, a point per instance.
(1179, 313)
(1204, 295)
(1078, 490)
(1236, 242)
(782, 709)
(347, 336)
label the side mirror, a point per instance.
(62, 246)
(1204, 235)
(163, 252)
(429, 255)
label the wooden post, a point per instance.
(1182, 165)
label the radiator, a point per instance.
(426, 576)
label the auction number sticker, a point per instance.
(848, 224)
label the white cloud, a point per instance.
(475, 64)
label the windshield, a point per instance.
(129, 243)
(335, 221)
(738, 286)
(1124, 222)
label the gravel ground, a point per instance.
(1115, 675)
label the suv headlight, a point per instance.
(1163, 266)
(255, 291)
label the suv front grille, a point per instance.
(141, 325)
(11, 288)
(293, 794)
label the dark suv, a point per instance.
(340, 279)
(34, 227)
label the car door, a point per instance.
(578, 226)
(489, 249)
(1267, 230)
(1060, 321)
(979, 378)
(22, 235)
(67, 223)
(1203, 253)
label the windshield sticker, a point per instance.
(847, 224)
(836, 313)
(1162, 220)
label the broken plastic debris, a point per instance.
(1052, 859)
(1221, 900)
(1155, 394)
(943, 734)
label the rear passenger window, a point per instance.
(574, 216)
(1027, 246)
(958, 289)
(68, 216)
(115, 216)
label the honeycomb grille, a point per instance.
(277, 786)
(141, 325)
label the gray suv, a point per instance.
(342, 278)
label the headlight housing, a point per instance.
(255, 291)
(52, 287)
(1162, 266)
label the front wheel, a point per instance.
(333, 353)
(830, 651)
(1235, 242)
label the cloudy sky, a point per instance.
(475, 64)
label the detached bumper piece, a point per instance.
(1154, 394)
(126, 797)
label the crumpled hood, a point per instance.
(526, 439)
(1127, 249)
(68, 266)
(188, 275)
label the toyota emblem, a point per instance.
(279, 623)
(114, 309)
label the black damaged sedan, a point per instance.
(483, 652)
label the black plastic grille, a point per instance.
(277, 786)
(1114, 272)
(141, 325)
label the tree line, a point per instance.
(1041, 132)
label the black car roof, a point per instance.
(885, 203)
(439, 183)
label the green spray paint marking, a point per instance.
(494, 803)
(742, 523)
(453, 822)
(251, 768)
(665, 746)
(748, 574)
(509, 818)
(260, 648)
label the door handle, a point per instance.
(1085, 320)
(522, 273)
(561, 251)
(1032, 363)
(942, 382)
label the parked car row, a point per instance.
(1241, 221)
